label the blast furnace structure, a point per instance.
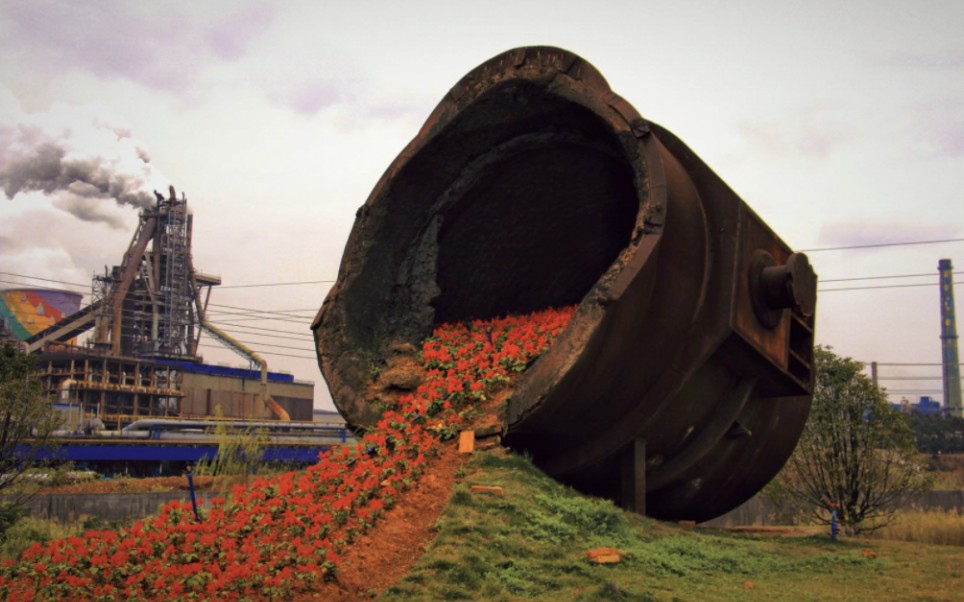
(141, 361)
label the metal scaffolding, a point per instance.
(148, 314)
(147, 305)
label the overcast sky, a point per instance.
(840, 123)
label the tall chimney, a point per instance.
(952, 366)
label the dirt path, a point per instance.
(381, 557)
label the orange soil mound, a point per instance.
(383, 555)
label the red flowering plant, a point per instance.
(280, 535)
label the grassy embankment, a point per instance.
(532, 544)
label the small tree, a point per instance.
(27, 424)
(856, 455)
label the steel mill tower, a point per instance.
(952, 366)
(147, 316)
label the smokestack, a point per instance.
(952, 366)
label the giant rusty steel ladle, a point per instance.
(683, 381)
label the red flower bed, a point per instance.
(280, 535)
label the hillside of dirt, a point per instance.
(382, 556)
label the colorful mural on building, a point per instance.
(27, 311)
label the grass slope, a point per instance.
(532, 544)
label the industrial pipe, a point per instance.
(249, 354)
(683, 381)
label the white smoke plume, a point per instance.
(76, 155)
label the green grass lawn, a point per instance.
(532, 544)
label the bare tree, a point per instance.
(857, 455)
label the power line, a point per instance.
(251, 315)
(278, 284)
(87, 286)
(281, 312)
(249, 318)
(289, 312)
(884, 244)
(883, 286)
(907, 364)
(825, 280)
(36, 287)
(272, 331)
(222, 314)
(246, 317)
(259, 334)
(272, 353)
(259, 344)
(43, 279)
(304, 333)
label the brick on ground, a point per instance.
(605, 555)
(496, 491)
(466, 442)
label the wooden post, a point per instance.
(634, 476)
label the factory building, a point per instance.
(141, 360)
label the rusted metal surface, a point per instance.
(533, 185)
